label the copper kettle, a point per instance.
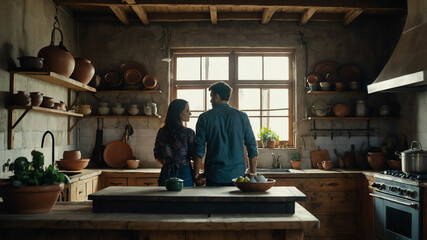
(57, 58)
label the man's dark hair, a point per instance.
(222, 89)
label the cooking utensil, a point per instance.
(97, 158)
(116, 153)
(414, 160)
(318, 156)
(340, 159)
(350, 159)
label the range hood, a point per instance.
(407, 67)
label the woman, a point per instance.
(174, 148)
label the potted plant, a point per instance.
(268, 137)
(33, 188)
(295, 161)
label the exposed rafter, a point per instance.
(306, 16)
(351, 15)
(121, 14)
(267, 13)
(214, 15)
(139, 10)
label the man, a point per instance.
(223, 130)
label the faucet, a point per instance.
(53, 145)
(276, 162)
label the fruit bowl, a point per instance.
(72, 165)
(254, 187)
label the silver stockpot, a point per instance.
(414, 160)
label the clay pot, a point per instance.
(377, 160)
(57, 58)
(271, 144)
(339, 86)
(133, 109)
(296, 164)
(342, 110)
(83, 71)
(21, 98)
(72, 155)
(36, 98)
(327, 165)
(47, 102)
(31, 199)
(132, 163)
(72, 165)
(84, 109)
(30, 63)
(150, 82)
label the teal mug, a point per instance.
(174, 184)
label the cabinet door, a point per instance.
(331, 184)
(114, 181)
(81, 192)
(297, 182)
(146, 182)
(332, 202)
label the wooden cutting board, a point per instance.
(318, 156)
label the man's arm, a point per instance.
(199, 150)
(252, 164)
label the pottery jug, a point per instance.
(83, 70)
(36, 98)
(133, 109)
(47, 102)
(57, 58)
(147, 110)
(84, 109)
(153, 108)
(21, 98)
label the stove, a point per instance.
(398, 205)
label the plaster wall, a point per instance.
(367, 43)
(26, 28)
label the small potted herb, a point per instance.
(295, 161)
(268, 137)
(33, 188)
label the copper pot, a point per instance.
(36, 98)
(57, 58)
(47, 102)
(83, 71)
(342, 110)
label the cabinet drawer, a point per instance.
(334, 225)
(332, 202)
(114, 181)
(297, 182)
(146, 182)
(89, 187)
(331, 184)
(81, 192)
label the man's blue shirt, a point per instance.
(224, 131)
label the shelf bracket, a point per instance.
(368, 129)
(20, 118)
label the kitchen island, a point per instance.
(77, 221)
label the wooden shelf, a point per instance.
(58, 80)
(47, 110)
(337, 92)
(123, 116)
(351, 118)
(131, 91)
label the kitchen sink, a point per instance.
(262, 170)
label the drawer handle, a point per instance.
(113, 183)
(333, 184)
(80, 192)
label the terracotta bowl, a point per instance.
(342, 110)
(339, 86)
(30, 63)
(72, 155)
(327, 165)
(377, 160)
(132, 163)
(150, 82)
(254, 187)
(72, 165)
(394, 164)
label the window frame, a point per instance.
(233, 54)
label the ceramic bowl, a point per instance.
(72, 155)
(118, 110)
(174, 184)
(132, 163)
(339, 86)
(342, 110)
(327, 165)
(254, 187)
(325, 86)
(30, 63)
(103, 104)
(72, 165)
(103, 110)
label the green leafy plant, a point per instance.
(266, 134)
(33, 173)
(295, 157)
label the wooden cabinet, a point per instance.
(132, 178)
(335, 201)
(78, 191)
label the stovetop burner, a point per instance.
(401, 174)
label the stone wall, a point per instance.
(26, 28)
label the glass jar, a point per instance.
(361, 108)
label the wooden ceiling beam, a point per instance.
(139, 10)
(120, 14)
(351, 15)
(267, 13)
(306, 16)
(214, 14)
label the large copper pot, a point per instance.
(57, 58)
(83, 71)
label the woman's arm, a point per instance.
(161, 161)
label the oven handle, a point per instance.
(412, 205)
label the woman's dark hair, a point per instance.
(223, 90)
(173, 123)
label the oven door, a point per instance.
(396, 218)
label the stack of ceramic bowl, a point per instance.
(103, 109)
(72, 160)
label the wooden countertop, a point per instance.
(80, 216)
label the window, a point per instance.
(262, 82)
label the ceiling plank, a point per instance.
(267, 13)
(351, 15)
(214, 15)
(120, 14)
(139, 10)
(306, 16)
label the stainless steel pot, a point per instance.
(414, 160)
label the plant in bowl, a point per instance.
(33, 188)
(295, 161)
(268, 137)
